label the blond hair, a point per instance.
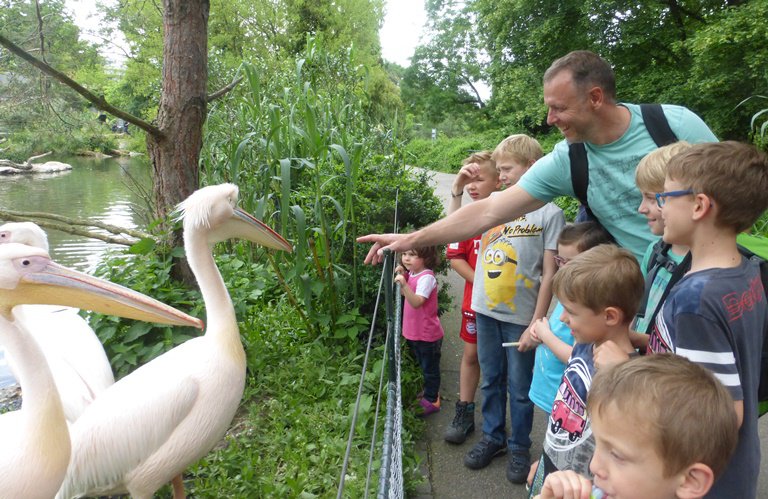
(601, 277)
(652, 169)
(687, 413)
(482, 158)
(520, 148)
(733, 174)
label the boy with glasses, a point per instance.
(716, 314)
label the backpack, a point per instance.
(752, 247)
(658, 128)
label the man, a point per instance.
(580, 93)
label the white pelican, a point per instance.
(150, 426)
(35, 446)
(74, 353)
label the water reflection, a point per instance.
(106, 190)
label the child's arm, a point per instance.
(463, 268)
(541, 331)
(411, 297)
(465, 176)
(543, 300)
(565, 485)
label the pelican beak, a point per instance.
(58, 285)
(248, 227)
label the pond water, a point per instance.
(106, 190)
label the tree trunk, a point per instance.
(175, 152)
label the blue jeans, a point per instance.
(427, 354)
(505, 371)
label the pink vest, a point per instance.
(422, 324)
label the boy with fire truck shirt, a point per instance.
(600, 290)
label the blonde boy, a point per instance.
(716, 314)
(664, 428)
(512, 287)
(478, 176)
(600, 290)
(661, 259)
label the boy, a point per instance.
(716, 313)
(600, 290)
(649, 177)
(480, 178)
(647, 416)
(512, 287)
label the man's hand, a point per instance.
(394, 242)
(566, 485)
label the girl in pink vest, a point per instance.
(421, 327)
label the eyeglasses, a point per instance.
(661, 197)
(560, 260)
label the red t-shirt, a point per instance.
(465, 250)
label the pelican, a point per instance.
(150, 426)
(35, 447)
(72, 350)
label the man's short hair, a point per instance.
(601, 277)
(520, 148)
(652, 169)
(687, 413)
(482, 158)
(733, 174)
(588, 70)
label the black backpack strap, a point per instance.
(677, 274)
(657, 125)
(577, 154)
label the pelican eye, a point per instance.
(26, 262)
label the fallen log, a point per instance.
(121, 235)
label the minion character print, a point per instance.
(500, 267)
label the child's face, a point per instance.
(625, 463)
(509, 170)
(652, 212)
(676, 214)
(586, 325)
(486, 182)
(412, 262)
(565, 253)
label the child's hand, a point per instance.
(566, 485)
(540, 330)
(400, 279)
(608, 354)
(465, 176)
(526, 340)
(399, 269)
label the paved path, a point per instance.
(446, 477)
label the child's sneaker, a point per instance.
(429, 407)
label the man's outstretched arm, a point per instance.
(462, 224)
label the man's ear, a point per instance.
(613, 316)
(696, 481)
(596, 97)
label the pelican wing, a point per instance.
(123, 427)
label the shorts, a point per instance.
(468, 330)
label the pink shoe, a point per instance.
(429, 407)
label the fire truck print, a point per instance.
(569, 412)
